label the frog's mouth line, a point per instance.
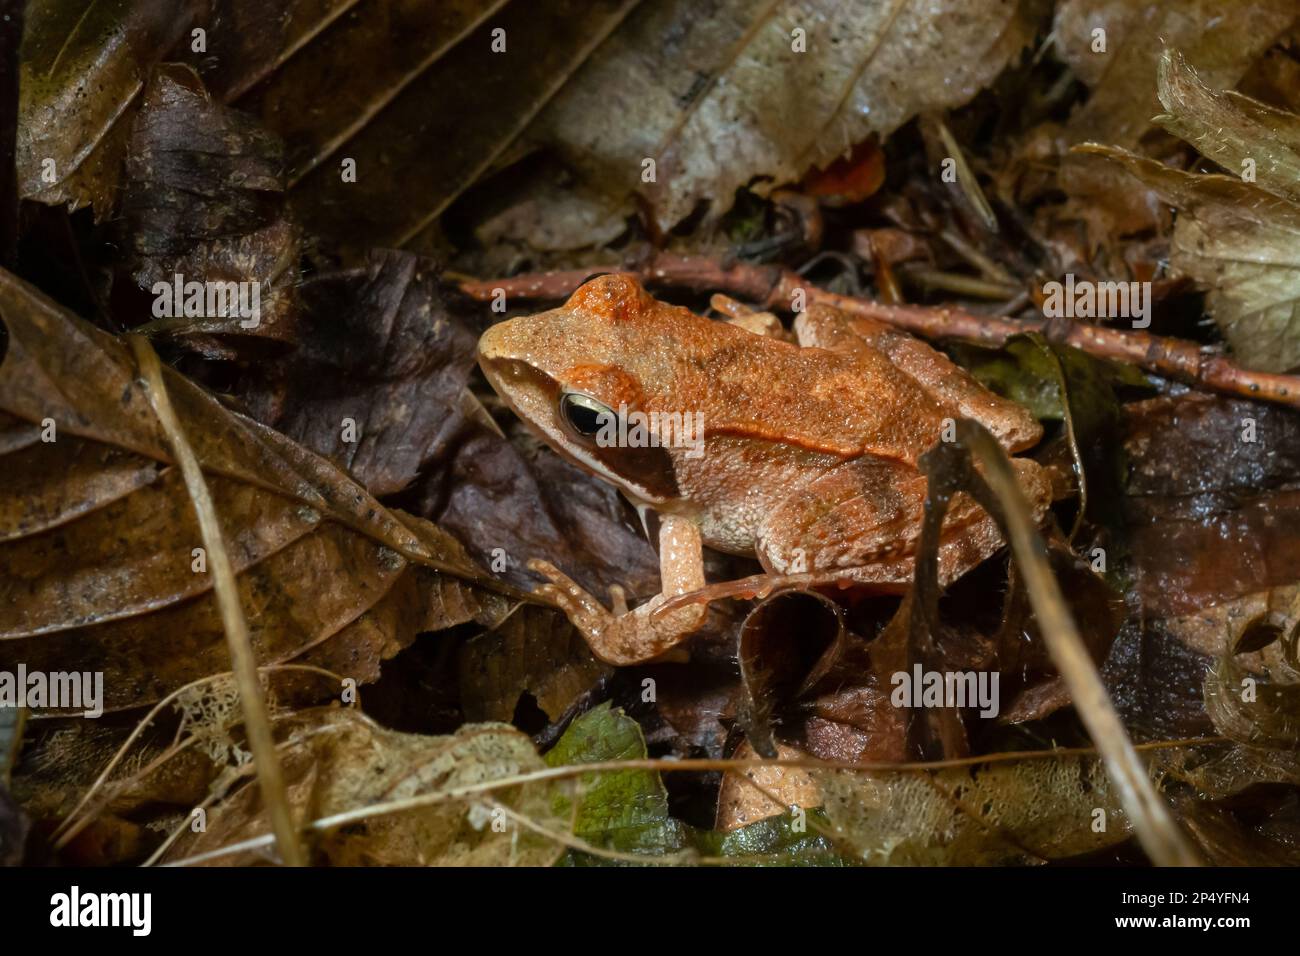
(534, 398)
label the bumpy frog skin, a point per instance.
(808, 454)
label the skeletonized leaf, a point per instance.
(98, 563)
(339, 760)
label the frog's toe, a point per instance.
(617, 600)
(580, 606)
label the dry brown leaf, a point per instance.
(536, 651)
(381, 346)
(729, 100)
(203, 200)
(420, 139)
(1122, 103)
(98, 534)
(751, 795)
(337, 80)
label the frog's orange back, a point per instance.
(745, 384)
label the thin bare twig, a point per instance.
(1159, 835)
(773, 287)
(257, 724)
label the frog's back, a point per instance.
(845, 405)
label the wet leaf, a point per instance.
(781, 840)
(627, 810)
(83, 68)
(624, 810)
(98, 533)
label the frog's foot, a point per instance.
(620, 637)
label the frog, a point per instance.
(806, 457)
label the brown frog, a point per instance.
(804, 456)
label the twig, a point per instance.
(1159, 835)
(773, 287)
(257, 725)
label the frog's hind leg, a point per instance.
(868, 512)
(1013, 426)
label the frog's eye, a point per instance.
(584, 414)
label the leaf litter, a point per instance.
(226, 167)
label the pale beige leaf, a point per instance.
(1222, 37)
(339, 760)
(1244, 136)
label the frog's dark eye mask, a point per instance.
(570, 422)
(648, 470)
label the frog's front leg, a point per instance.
(623, 637)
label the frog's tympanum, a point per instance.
(804, 456)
